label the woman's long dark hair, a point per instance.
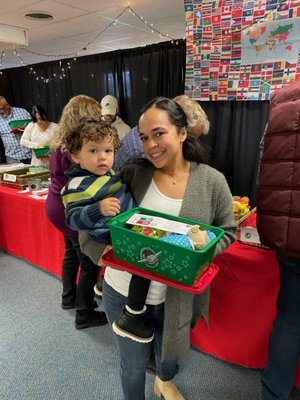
(40, 110)
(191, 148)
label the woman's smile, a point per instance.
(157, 154)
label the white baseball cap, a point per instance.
(109, 105)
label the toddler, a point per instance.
(93, 195)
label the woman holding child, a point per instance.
(176, 180)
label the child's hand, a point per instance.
(110, 207)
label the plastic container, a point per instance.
(18, 178)
(201, 283)
(174, 262)
(18, 126)
(34, 184)
(42, 152)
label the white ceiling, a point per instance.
(86, 23)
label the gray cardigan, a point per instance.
(207, 199)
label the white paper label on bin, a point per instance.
(159, 223)
(9, 177)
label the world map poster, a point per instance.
(241, 50)
(269, 41)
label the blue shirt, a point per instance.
(130, 149)
(11, 141)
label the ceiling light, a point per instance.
(39, 16)
(11, 36)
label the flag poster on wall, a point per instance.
(241, 50)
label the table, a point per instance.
(242, 307)
(26, 232)
(243, 293)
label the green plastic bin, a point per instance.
(174, 262)
(19, 123)
(18, 126)
(42, 152)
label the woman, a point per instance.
(198, 123)
(173, 180)
(79, 295)
(37, 134)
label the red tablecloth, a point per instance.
(243, 293)
(26, 232)
(242, 307)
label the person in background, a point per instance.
(37, 134)
(175, 180)
(79, 295)
(110, 108)
(198, 123)
(14, 151)
(278, 224)
(131, 147)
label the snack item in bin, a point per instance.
(148, 231)
(195, 238)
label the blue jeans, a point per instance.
(284, 347)
(135, 356)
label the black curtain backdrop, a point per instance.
(135, 76)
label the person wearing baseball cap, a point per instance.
(110, 108)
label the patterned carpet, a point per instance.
(43, 357)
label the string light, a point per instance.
(74, 55)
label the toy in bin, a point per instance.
(194, 238)
(152, 252)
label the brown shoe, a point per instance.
(167, 389)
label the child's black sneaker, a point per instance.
(132, 326)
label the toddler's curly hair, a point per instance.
(86, 130)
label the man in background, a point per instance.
(13, 151)
(110, 110)
(278, 224)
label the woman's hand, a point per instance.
(110, 207)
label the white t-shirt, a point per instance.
(119, 280)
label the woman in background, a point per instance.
(197, 121)
(79, 295)
(37, 134)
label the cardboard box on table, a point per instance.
(18, 178)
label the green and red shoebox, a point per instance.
(41, 152)
(18, 126)
(166, 259)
